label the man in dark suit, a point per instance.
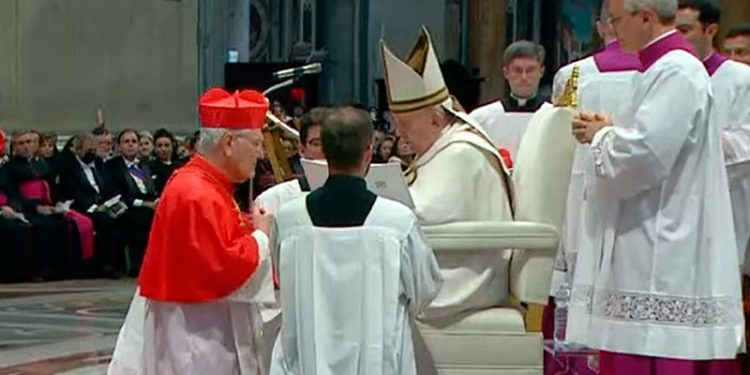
(82, 182)
(131, 179)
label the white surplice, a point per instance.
(656, 273)
(506, 129)
(461, 178)
(272, 199)
(602, 92)
(219, 338)
(348, 294)
(731, 85)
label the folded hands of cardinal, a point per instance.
(587, 124)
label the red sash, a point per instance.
(85, 232)
(36, 189)
(3, 199)
(39, 189)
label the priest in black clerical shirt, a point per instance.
(523, 67)
(360, 262)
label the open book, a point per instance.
(385, 180)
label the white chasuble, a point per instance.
(349, 293)
(731, 85)
(462, 178)
(657, 271)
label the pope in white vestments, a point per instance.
(656, 287)
(458, 175)
(354, 268)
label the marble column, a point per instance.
(487, 44)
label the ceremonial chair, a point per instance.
(506, 340)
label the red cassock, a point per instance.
(200, 248)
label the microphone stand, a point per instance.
(277, 122)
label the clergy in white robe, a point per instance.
(458, 175)
(353, 268)
(274, 198)
(698, 21)
(605, 85)
(196, 309)
(656, 282)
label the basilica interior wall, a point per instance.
(63, 58)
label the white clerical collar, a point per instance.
(708, 57)
(522, 101)
(658, 38)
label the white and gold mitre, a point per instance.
(416, 82)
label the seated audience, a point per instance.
(81, 180)
(165, 159)
(129, 178)
(404, 154)
(145, 146)
(29, 193)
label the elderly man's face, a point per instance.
(420, 128)
(88, 147)
(632, 28)
(104, 148)
(22, 145)
(523, 75)
(242, 152)
(738, 49)
(33, 147)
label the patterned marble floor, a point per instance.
(66, 328)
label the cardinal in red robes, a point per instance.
(207, 265)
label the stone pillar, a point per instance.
(212, 42)
(239, 28)
(487, 44)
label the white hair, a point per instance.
(208, 138)
(604, 11)
(665, 9)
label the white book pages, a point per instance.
(385, 180)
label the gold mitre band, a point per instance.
(416, 82)
(401, 106)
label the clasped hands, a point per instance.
(586, 124)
